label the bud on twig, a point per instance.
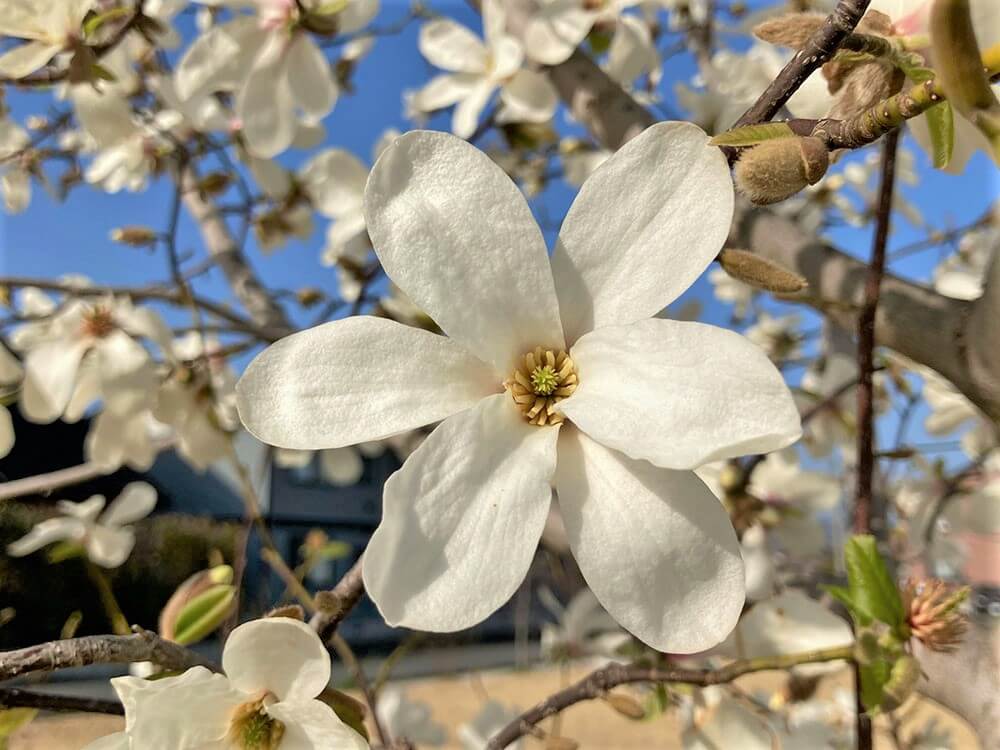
(902, 682)
(625, 705)
(789, 30)
(136, 236)
(775, 170)
(761, 273)
(560, 743)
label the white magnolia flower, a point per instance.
(584, 628)
(15, 180)
(273, 64)
(493, 717)
(274, 670)
(733, 291)
(557, 27)
(758, 564)
(579, 160)
(961, 275)
(477, 69)
(50, 27)
(949, 408)
(86, 351)
(632, 53)
(10, 375)
(776, 335)
(409, 719)
(532, 342)
(107, 539)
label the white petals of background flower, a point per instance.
(655, 398)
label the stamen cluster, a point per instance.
(932, 613)
(251, 728)
(545, 379)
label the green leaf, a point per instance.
(61, 551)
(873, 592)
(748, 135)
(95, 22)
(873, 679)
(941, 124)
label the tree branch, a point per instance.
(334, 605)
(599, 682)
(142, 645)
(17, 698)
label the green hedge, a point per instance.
(168, 549)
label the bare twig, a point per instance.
(599, 682)
(17, 698)
(142, 645)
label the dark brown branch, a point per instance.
(334, 605)
(17, 698)
(98, 649)
(599, 682)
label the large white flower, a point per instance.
(274, 670)
(557, 27)
(476, 70)
(50, 27)
(15, 180)
(531, 343)
(10, 375)
(107, 540)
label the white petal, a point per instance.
(655, 545)
(49, 376)
(335, 180)
(136, 501)
(357, 379)
(6, 431)
(450, 46)
(679, 394)
(645, 225)
(25, 59)
(461, 519)
(312, 725)
(444, 90)
(128, 375)
(466, 115)
(44, 533)
(529, 97)
(506, 55)
(309, 76)
(556, 30)
(16, 186)
(730, 725)
(265, 108)
(190, 710)
(87, 510)
(108, 546)
(277, 654)
(213, 60)
(456, 235)
(356, 15)
(341, 466)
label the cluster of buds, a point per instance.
(779, 168)
(932, 614)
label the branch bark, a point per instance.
(142, 645)
(334, 605)
(17, 698)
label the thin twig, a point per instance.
(345, 596)
(17, 698)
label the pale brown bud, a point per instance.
(214, 183)
(777, 169)
(560, 743)
(309, 296)
(902, 682)
(291, 611)
(790, 30)
(863, 86)
(761, 273)
(626, 705)
(136, 236)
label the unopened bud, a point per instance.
(136, 236)
(761, 273)
(790, 30)
(214, 183)
(902, 682)
(625, 705)
(291, 611)
(775, 170)
(309, 296)
(198, 606)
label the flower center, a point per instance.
(98, 322)
(543, 380)
(252, 728)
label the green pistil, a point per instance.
(544, 380)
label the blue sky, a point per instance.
(51, 239)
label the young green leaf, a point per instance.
(941, 124)
(748, 135)
(873, 679)
(873, 591)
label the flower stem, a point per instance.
(119, 623)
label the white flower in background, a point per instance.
(558, 27)
(10, 375)
(85, 351)
(758, 564)
(580, 159)
(632, 53)
(532, 342)
(733, 291)
(341, 467)
(106, 537)
(277, 71)
(949, 408)
(493, 717)
(50, 27)
(477, 69)
(777, 336)
(274, 670)
(115, 440)
(408, 719)
(584, 628)
(961, 274)
(15, 180)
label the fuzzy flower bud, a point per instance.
(790, 30)
(761, 273)
(136, 236)
(777, 169)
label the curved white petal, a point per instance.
(25, 59)
(312, 725)
(556, 30)
(456, 235)
(452, 47)
(645, 225)
(357, 379)
(356, 15)
(466, 114)
(444, 90)
(528, 97)
(108, 546)
(654, 545)
(191, 710)
(506, 56)
(310, 79)
(461, 519)
(86, 510)
(136, 501)
(341, 466)
(44, 533)
(264, 106)
(49, 376)
(679, 394)
(335, 180)
(219, 58)
(277, 654)
(6, 431)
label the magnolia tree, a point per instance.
(805, 484)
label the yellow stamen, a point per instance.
(545, 379)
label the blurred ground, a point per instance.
(456, 700)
